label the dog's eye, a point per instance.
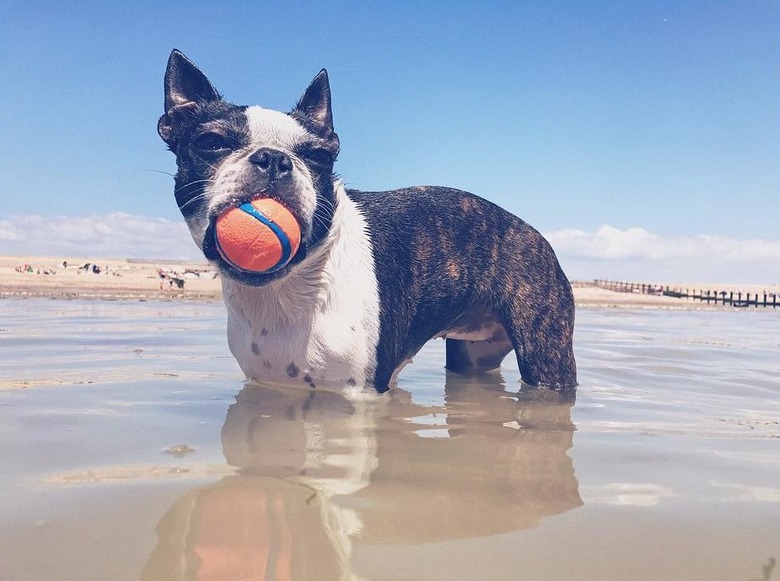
(320, 156)
(211, 142)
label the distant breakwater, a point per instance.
(710, 296)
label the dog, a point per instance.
(377, 274)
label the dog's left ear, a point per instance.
(314, 105)
(185, 87)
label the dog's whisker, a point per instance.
(167, 173)
(193, 183)
(323, 214)
(197, 198)
(326, 204)
(323, 218)
(320, 221)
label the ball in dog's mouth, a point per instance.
(260, 236)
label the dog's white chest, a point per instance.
(332, 349)
(317, 327)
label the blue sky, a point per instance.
(619, 128)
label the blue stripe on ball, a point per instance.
(284, 240)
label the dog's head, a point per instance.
(228, 155)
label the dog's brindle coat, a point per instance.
(378, 273)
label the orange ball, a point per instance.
(259, 236)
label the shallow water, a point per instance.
(130, 448)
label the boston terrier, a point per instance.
(377, 274)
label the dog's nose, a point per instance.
(272, 162)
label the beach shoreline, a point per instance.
(107, 279)
(175, 280)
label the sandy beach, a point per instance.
(112, 279)
(137, 279)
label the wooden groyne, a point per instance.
(710, 296)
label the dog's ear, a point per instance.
(314, 105)
(185, 87)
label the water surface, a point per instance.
(131, 448)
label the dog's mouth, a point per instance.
(256, 241)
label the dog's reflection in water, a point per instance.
(320, 474)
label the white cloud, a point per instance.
(116, 235)
(633, 254)
(636, 254)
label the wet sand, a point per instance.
(131, 448)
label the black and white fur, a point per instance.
(378, 273)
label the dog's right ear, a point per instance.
(185, 87)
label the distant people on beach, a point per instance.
(94, 268)
(172, 279)
(27, 268)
